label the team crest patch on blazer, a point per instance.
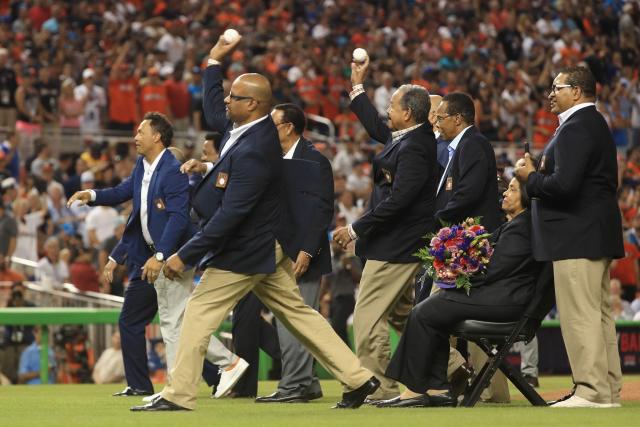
(222, 180)
(159, 204)
(387, 176)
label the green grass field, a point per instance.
(92, 406)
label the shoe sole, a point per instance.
(234, 379)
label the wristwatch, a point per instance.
(159, 256)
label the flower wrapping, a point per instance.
(456, 253)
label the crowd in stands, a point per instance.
(77, 68)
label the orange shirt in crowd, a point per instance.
(309, 90)
(122, 100)
(545, 124)
(179, 98)
(154, 98)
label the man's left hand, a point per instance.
(151, 269)
(524, 167)
(302, 264)
(173, 267)
(341, 236)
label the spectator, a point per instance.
(153, 94)
(52, 271)
(29, 370)
(177, 92)
(8, 86)
(100, 224)
(8, 232)
(16, 337)
(383, 93)
(28, 223)
(70, 107)
(82, 273)
(116, 287)
(123, 89)
(109, 368)
(95, 101)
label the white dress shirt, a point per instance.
(562, 117)
(452, 147)
(289, 154)
(234, 135)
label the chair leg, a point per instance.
(521, 384)
(483, 378)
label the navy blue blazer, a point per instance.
(167, 211)
(473, 178)
(312, 208)
(573, 193)
(238, 201)
(402, 205)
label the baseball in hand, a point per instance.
(359, 55)
(230, 35)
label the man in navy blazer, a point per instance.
(401, 212)
(312, 212)
(577, 225)
(154, 230)
(239, 203)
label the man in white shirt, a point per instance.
(52, 271)
(96, 101)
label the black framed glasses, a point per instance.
(556, 88)
(441, 118)
(239, 97)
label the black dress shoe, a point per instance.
(460, 380)
(313, 395)
(355, 398)
(442, 400)
(133, 392)
(297, 395)
(160, 404)
(421, 401)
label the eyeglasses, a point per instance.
(239, 97)
(441, 118)
(556, 88)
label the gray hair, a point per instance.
(416, 98)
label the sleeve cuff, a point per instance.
(307, 254)
(211, 61)
(351, 232)
(93, 195)
(355, 91)
(112, 259)
(209, 166)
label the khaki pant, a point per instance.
(172, 300)
(498, 390)
(385, 297)
(219, 291)
(588, 329)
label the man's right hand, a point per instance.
(107, 273)
(222, 49)
(193, 166)
(359, 72)
(83, 197)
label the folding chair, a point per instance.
(495, 339)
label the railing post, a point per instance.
(44, 354)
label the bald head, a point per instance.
(249, 98)
(435, 102)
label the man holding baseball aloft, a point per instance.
(401, 211)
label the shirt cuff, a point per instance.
(209, 166)
(93, 195)
(307, 254)
(211, 61)
(355, 91)
(351, 232)
(111, 259)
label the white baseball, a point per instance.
(230, 35)
(359, 55)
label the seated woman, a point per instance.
(502, 295)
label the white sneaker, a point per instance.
(616, 405)
(151, 398)
(230, 376)
(579, 402)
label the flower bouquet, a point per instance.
(455, 253)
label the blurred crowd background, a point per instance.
(76, 77)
